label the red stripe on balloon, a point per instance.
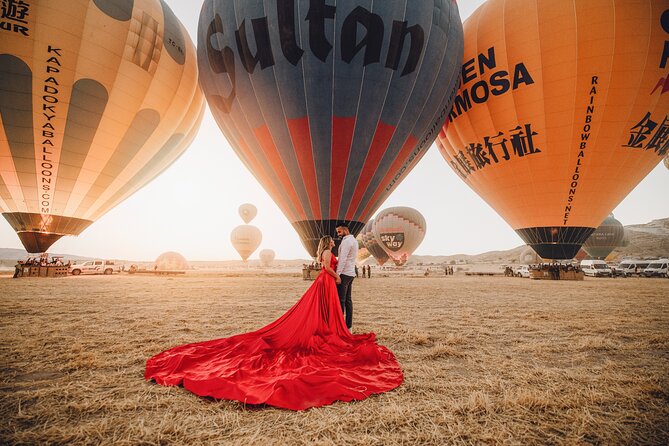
(342, 137)
(377, 148)
(263, 178)
(301, 137)
(269, 148)
(401, 158)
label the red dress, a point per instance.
(306, 358)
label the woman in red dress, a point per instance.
(306, 358)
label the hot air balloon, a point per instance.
(666, 161)
(329, 106)
(171, 261)
(266, 257)
(607, 237)
(399, 231)
(529, 257)
(245, 239)
(561, 112)
(97, 99)
(363, 253)
(369, 242)
(248, 212)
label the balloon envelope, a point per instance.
(97, 99)
(372, 246)
(561, 112)
(245, 239)
(266, 257)
(171, 261)
(248, 212)
(329, 106)
(607, 237)
(529, 257)
(399, 231)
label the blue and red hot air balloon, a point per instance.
(329, 106)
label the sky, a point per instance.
(193, 206)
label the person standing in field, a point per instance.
(348, 251)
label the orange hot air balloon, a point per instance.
(266, 257)
(245, 239)
(329, 104)
(248, 212)
(561, 112)
(399, 231)
(97, 98)
(607, 237)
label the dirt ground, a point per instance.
(487, 360)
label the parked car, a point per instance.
(631, 267)
(657, 268)
(522, 271)
(95, 267)
(595, 268)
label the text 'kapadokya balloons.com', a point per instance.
(97, 99)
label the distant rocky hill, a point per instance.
(645, 241)
(650, 240)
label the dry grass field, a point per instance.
(487, 360)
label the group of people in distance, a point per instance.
(308, 357)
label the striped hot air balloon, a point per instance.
(97, 97)
(329, 105)
(399, 231)
(372, 246)
(562, 111)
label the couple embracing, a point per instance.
(306, 358)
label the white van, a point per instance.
(631, 267)
(657, 268)
(595, 268)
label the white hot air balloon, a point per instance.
(267, 257)
(245, 239)
(399, 231)
(248, 212)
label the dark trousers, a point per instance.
(344, 291)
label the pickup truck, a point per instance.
(95, 267)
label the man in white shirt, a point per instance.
(348, 253)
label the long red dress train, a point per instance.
(306, 358)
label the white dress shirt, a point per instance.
(348, 252)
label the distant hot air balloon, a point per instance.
(329, 106)
(607, 237)
(399, 231)
(266, 257)
(97, 99)
(246, 239)
(372, 246)
(561, 112)
(171, 261)
(529, 257)
(363, 253)
(248, 212)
